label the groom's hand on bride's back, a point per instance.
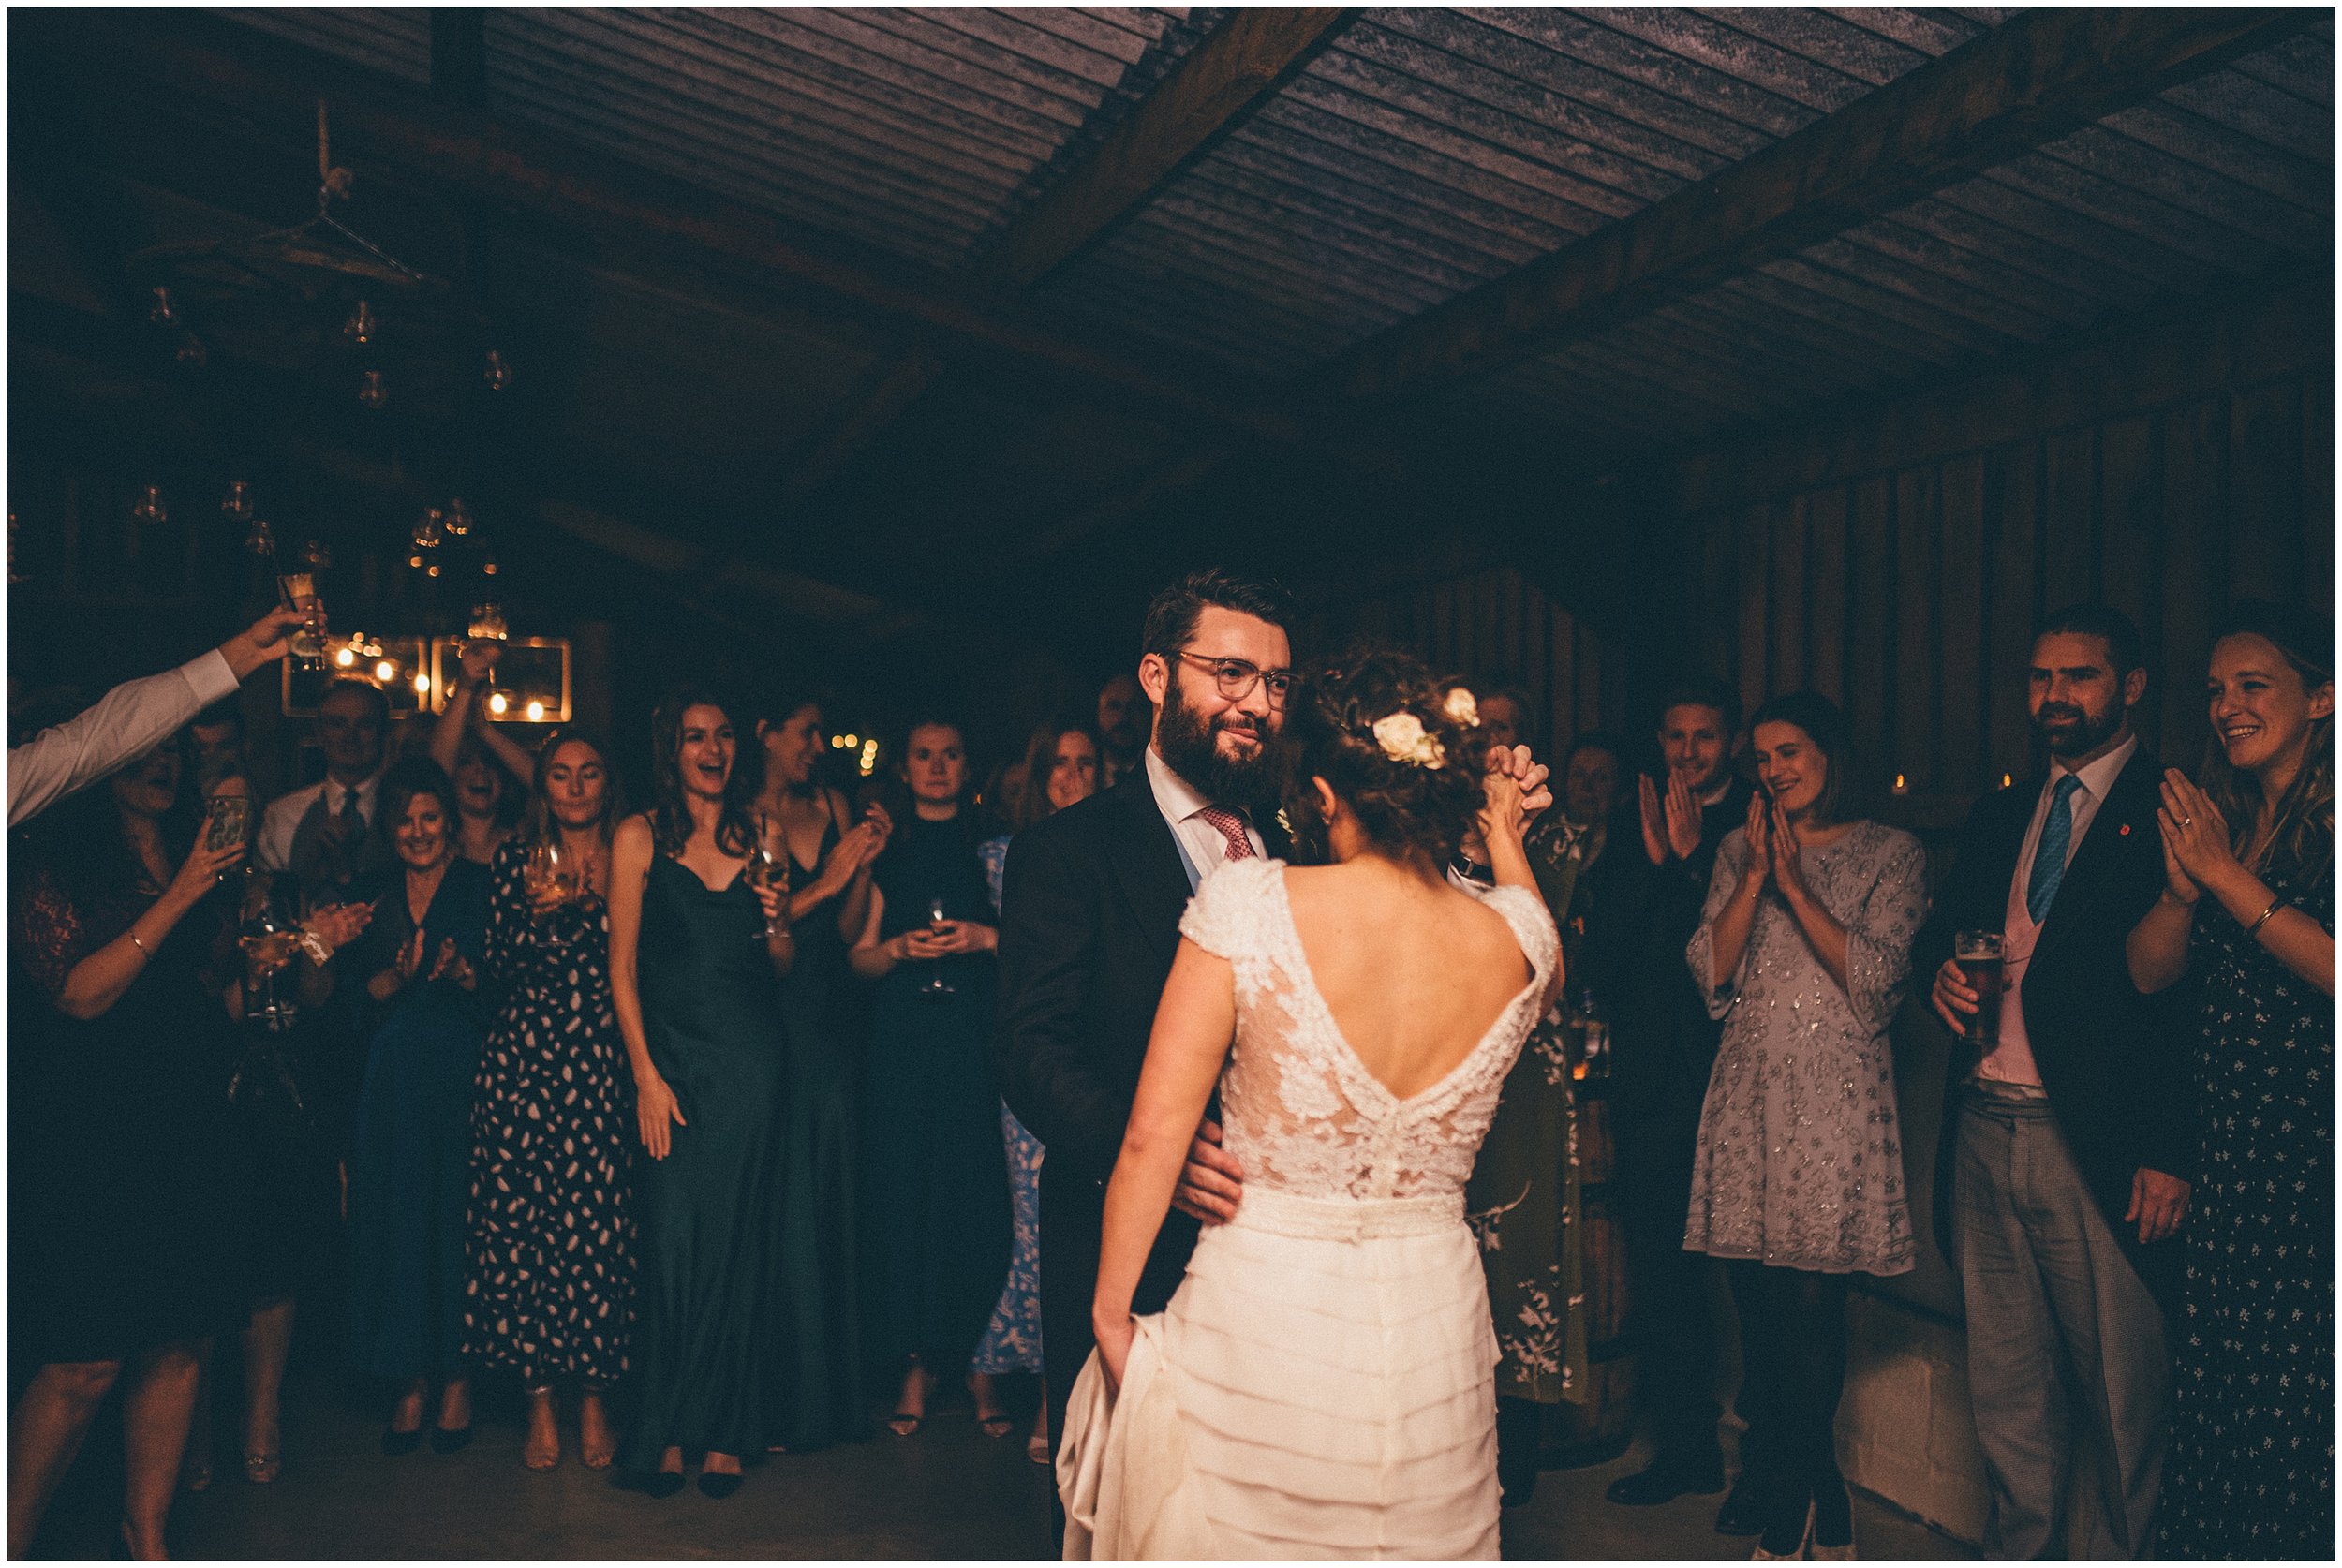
(1211, 1183)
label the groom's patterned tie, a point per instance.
(1231, 828)
(2049, 859)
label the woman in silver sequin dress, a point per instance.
(1802, 949)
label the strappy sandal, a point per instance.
(262, 1469)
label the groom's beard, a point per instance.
(1190, 743)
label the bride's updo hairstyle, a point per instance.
(1379, 730)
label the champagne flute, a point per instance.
(764, 871)
(306, 646)
(936, 985)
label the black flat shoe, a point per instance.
(718, 1485)
(663, 1483)
(1742, 1513)
(1651, 1487)
(398, 1444)
(451, 1440)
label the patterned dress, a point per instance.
(551, 1281)
(1012, 1342)
(1799, 1163)
(2250, 1471)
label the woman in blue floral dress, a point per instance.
(1060, 767)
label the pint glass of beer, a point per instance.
(1978, 953)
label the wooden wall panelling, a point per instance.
(2317, 488)
(1791, 605)
(1963, 698)
(2011, 504)
(2266, 556)
(1589, 664)
(1753, 541)
(1915, 729)
(1826, 564)
(2195, 567)
(1562, 675)
(1870, 592)
(2130, 538)
(1717, 617)
(2069, 508)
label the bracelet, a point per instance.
(2275, 904)
(143, 950)
(313, 945)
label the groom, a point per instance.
(1090, 920)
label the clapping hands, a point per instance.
(1670, 824)
(2195, 848)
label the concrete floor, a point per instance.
(948, 1492)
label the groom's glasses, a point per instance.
(1236, 678)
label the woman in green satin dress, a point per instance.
(696, 946)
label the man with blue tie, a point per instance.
(2055, 1186)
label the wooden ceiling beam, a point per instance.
(248, 76)
(2035, 77)
(1201, 100)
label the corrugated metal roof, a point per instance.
(2219, 180)
(1425, 152)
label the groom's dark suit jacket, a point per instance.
(1090, 920)
(2111, 1058)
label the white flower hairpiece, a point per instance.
(1462, 708)
(1403, 739)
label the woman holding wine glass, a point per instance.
(695, 958)
(935, 1200)
(482, 759)
(816, 1388)
(126, 1232)
(549, 1296)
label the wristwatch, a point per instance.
(1471, 870)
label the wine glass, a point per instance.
(936, 985)
(764, 870)
(297, 590)
(551, 872)
(269, 939)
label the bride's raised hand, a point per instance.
(1502, 815)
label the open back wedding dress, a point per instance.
(1320, 1385)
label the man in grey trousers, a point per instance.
(2067, 1116)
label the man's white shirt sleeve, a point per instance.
(131, 720)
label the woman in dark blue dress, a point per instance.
(699, 939)
(816, 1391)
(2248, 917)
(410, 1165)
(935, 1211)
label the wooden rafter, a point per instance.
(2035, 77)
(478, 156)
(1202, 98)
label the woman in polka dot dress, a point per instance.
(550, 1296)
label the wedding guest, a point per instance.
(2060, 1169)
(549, 1283)
(124, 1233)
(421, 1019)
(481, 758)
(816, 1390)
(696, 990)
(1124, 719)
(1503, 709)
(136, 717)
(321, 832)
(935, 1209)
(1523, 1199)
(1802, 948)
(2247, 909)
(290, 1191)
(215, 741)
(1663, 1046)
(1064, 759)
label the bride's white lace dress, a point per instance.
(1322, 1384)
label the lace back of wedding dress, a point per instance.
(1299, 1111)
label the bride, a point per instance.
(1321, 1385)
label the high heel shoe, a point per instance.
(263, 1469)
(451, 1440)
(719, 1484)
(398, 1444)
(1804, 1541)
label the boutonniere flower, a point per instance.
(1403, 739)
